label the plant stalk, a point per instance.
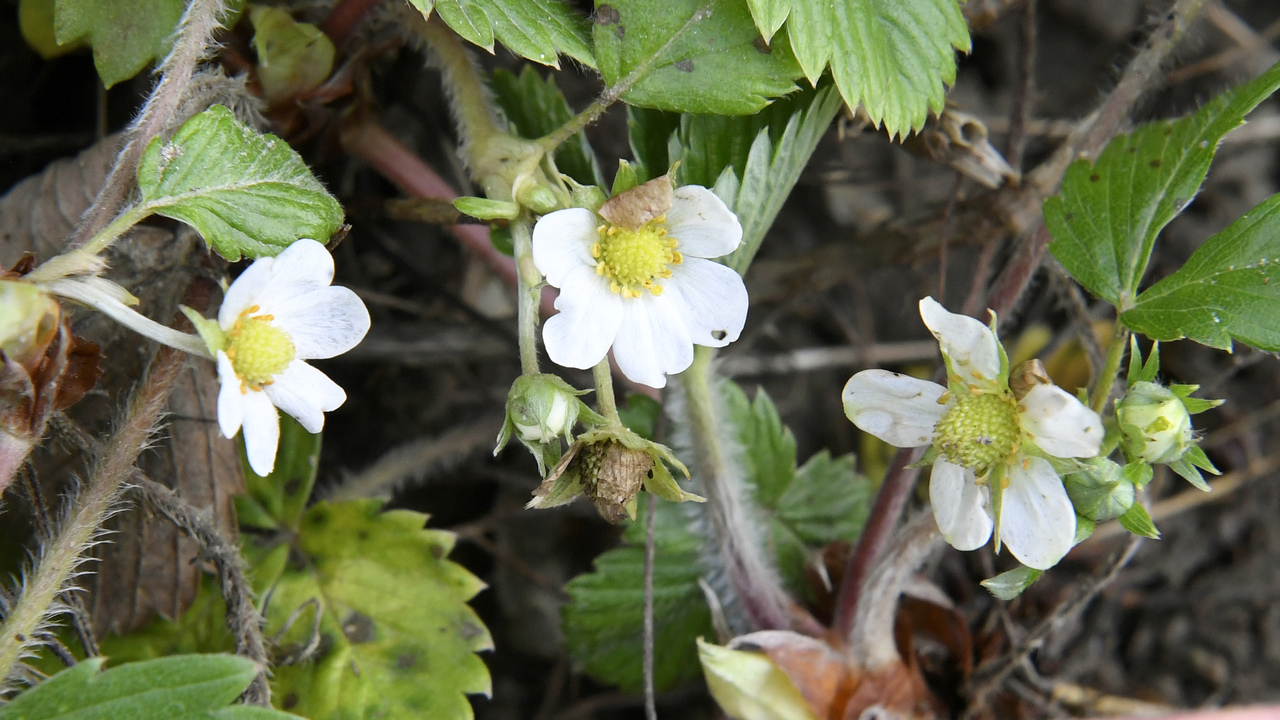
(738, 540)
(528, 293)
(56, 566)
(1111, 368)
(606, 405)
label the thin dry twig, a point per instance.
(991, 676)
(242, 619)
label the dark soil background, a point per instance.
(1192, 621)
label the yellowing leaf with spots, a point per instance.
(395, 635)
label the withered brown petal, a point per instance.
(83, 368)
(637, 206)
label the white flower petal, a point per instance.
(713, 298)
(261, 432)
(244, 291)
(960, 506)
(230, 402)
(1038, 522)
(303, 267)
(324, 322)
(653, 341)
(702, 224)
(898, 409)
(1059, 423)
(562, 241)
(971, 346)
(306, 394)
(589, 318)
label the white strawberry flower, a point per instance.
(649, 292)
(983, 433)
(280, 312)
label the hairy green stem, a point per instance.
(528, 293)
(83, 260)
(615, 92)
(60, 557)
(738, 542)
(606, 405)
(1111, 368)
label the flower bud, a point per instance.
(1155, 423)
(542, 408)
(1100, 492)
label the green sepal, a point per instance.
(930, 457)
(1009, 585)
(1138, 522)
(1194, 405)
(1190, 465)
(1084, 528)
(500, 238)
(486, 209)
(209, 330)
(995, 483)
(1139, 371)
(625, 179)
(1138, 473)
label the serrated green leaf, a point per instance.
(181, 686)
(538, 30)
(769, 448)
(1137, 521)
(824, 501)
(769, 15)
(1224, 292)
(717, 62)
(603, 618)
(535, 107)
(278, 500)
(126, 35)
(1011, 584)
(1105, 221)
(245, 192)
(399, 638)
(894, 57)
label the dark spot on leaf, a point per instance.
(606, 15)
(292, 487)
(719, 334)
(437, 552)
(622, 31)
(470, 630)
(290, 700)
(1069, 217)
(297, 561)
(1133, 148)
(358, 628)
(748, 647)
(319, 517)
(685, 66)
(1155, 163)
(406, 661)
(762, 45)
(1168, 130)
(363, 534)
(1095, 177)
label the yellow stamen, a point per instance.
(656, 290)
(595, 250)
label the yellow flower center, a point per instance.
(258, 350)
(636, 260)
(979, 431)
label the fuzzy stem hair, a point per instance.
(737, 538)
(55, 569)
(191, 43)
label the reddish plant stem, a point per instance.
(892, 497)
(366, 139)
